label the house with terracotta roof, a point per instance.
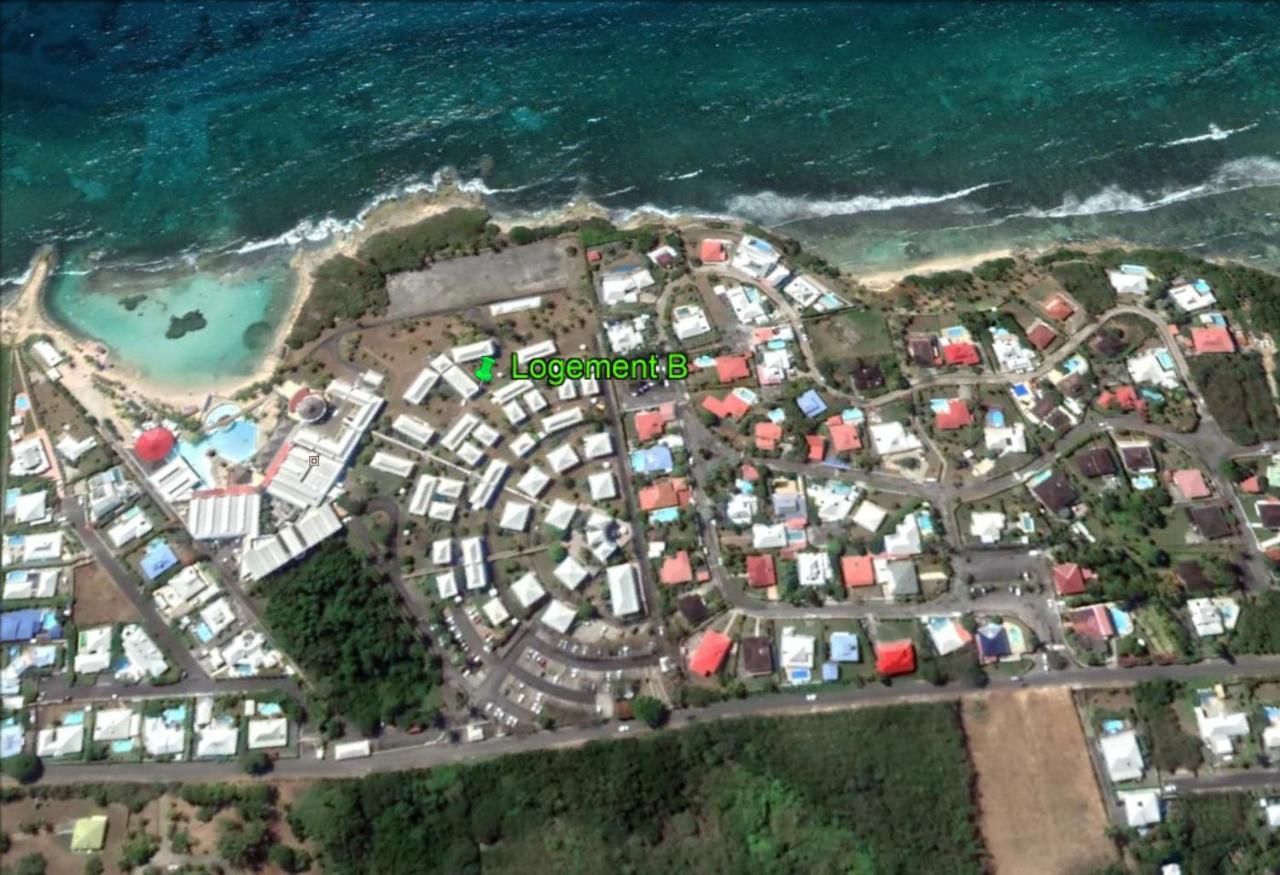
(767, 435)
(1071, 579)
(709, 655)
(668, 492)
(817, 447)
(844, 436)
(1092, 622)
(1124, 397)
(676, 569)
(1041, 335)
(731, 406)
(1251, 485)
(731, 368)
(858, 571)
(651, 424)
(761, 571)
(1190, 483)
(1212, 339)
(956, 415)
(712, 251)
(1058, 308)
(957, 354)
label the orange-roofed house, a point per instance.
(668, 492)
(1211, 339)
(1251, 485)
(731, 406)
(767, 436)
(1190, 483)
(956, 416)
(845, 437)
(709, 656)
(1058, 308)
(650, 424)
(676, 569)
(858, 571)
(895, 658)
(817, 447)
(712, 251)
(1069, 578)
(731, 368)
(961, 354)
(761, 572)
(593, 256)
(1041, 335)
(749, 473)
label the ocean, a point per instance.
(181, 146)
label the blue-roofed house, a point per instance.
(993, 642)
(811, 404)
(830, 671)
(27, 623)
(844, 647)
(652, 460)
(157, 559)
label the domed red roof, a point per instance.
(297, 398)
(154, 444)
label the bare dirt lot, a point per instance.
(1040, 808)
(55, 844)
(98, 600)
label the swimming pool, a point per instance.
(221, 412)
(202, 632)
(124, 745)
(235, 443)
(665, 515)
(1121, 620)
(21, 403)
(995, 419)
(75, 718)
(924, 520)
(1143, 482)
(799, 675)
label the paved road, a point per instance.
(418, 756)
(1229, 782)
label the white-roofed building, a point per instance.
(561, 420)
(47, 353)
(515, 516)
(162, 738)
(1123, 756)
(595, 446)
(1190, 297)
(414, 428)
(870, 516)
(390, 463)
(144, 658)
(987, 526)
(813, 568)
(472, 352)
(541, 350)
(1141, 807)
(27, 458)
(558, 616)
(31, 509)
(905, 539)
(624, 590)
(623, 284)
(424, 489)
(266, 555)
(602, 486)
(74, 450)
(217, 740)
(571, 573)
(131, 525)
(891, 438)
(563, 458)
(522, 445)
(175, 480)
(60, 741)
(442, 551)
(448, 583)
(689, 320)
(31, 583)
(768, 537)
(533, 482)
(221, 516)
(93, 650)
(496, 612)
(268, 732)
(560, 515)
(527, 590)
(491, 478)
(422, 385)
(1126, 283)
(116, 724)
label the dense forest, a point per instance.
(1235, 388)
(345, 628)
(886, 791)
(1208, 834)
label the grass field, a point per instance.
(1039, 806)
(851, 334)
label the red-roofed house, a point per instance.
(650, 424)
(845, 437)
(712, 251)
(1058, 308)
(709, 656)
(668, 492)
(676, 569)
(1069, 578)
(1127, 398)
(1211, 338)
(961, 354)
(1190, 483)
(1251, 485)
(593, 256)
(1093, 622)
(731, 368)
(731, 406)
(760, 571)
(767, 435)
(857, 570)
(749, 473)
(956, 415)
(895, 658)
(817, 447)
(1041, 335)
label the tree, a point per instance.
(243, 845)
(94, 866)
(138, 849)
(255, 762)
(650, 711)
(288, 858)
(31, 864)
(23, 768)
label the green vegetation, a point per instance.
(346, 629)
(1235, 388)
(886, 790)
(1171, 748)
(138, 849)
(341, 288)
(179, 326)
(255, 762)
(23, 767)
(996, 270)
(1057, 255)
(1258, 629)
(942, 281)
(1088, 284)
(1210, 833)
(132, 302)
(649, 710)
(456, 232)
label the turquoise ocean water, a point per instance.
(181, 150)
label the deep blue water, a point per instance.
(879, 132)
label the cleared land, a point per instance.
(537, 269)
(1040, 811)
(97, 599)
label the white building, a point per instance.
(220, 516)
(624, 590)
(1123, 756)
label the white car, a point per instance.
(812, 697)
(624, 727)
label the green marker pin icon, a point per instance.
(484, 373)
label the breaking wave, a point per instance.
(772, 208)
(1215, 133)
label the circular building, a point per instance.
(308, 406)
(154, 444)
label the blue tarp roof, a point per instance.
(811, 404)
(26, 624)
(844, 647)
(157, 559)
(830, 671)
